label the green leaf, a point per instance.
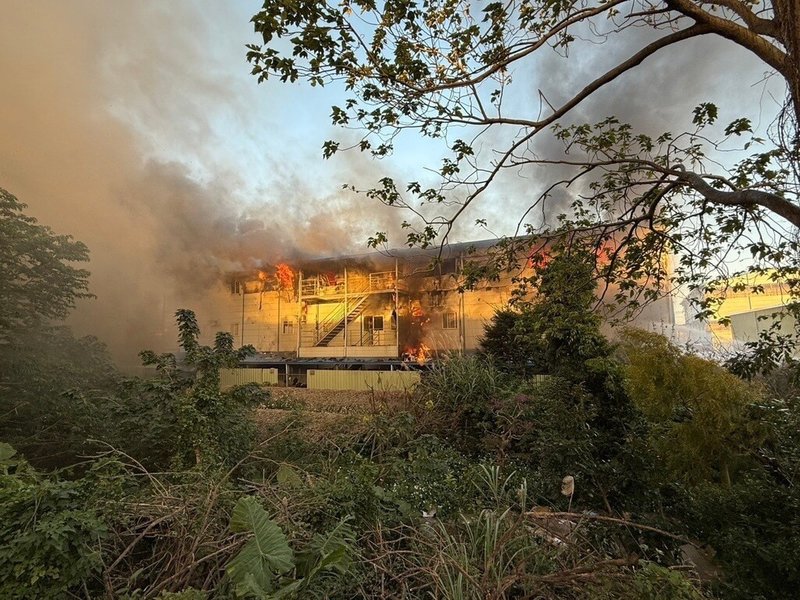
(264, 557)
(288, 477)
(287, 590)
(6, 452)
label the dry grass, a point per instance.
(339, 401)
(325, 413)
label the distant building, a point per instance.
(749, 304)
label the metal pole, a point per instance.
(242, 332)
(299, 311)
(462, 327)
(346, 313)
(279, 318)
(396, 310)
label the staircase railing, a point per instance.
(335, 321)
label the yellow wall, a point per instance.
(747, 301)
(276, 323)
(379, 381)
(232, 377)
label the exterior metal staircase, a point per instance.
(334, 324)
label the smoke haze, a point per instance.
(116, 120)
(137, 128)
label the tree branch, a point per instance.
(529, 49)
(746, 198)
(607, 77)
(755, 23)
(738, 34)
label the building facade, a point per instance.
(407, 307)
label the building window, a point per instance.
(236, 287)
(373, 323)
(436, 298)
(449, 320)
(235, 330)
(288, 326)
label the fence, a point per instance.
(232, 377)
(384, 381)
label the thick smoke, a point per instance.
(114, 130)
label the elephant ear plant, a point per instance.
(266, 567)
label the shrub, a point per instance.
(558, 428)
(510, 341)
(53, 388)
(699, 412)
(267, 565)
(212, 427)
(650, 582)
(463, 392)
(755, 529)
(430, 478)
(50, 534)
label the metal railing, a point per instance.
(319, 285)
(380, 337)
(334, 322)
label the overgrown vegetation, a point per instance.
(561, 467)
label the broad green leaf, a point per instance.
(264, 557)
(287, 590)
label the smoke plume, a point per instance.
(117, 124)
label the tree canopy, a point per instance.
(37, 278)
(445, 68)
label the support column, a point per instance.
(242, 325)
(396, 309)
(462, 326)
(279, 319)
(299, 312)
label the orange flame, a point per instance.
(420, 354)
(285, 277)
(423, 354)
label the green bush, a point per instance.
(650, 582)
(463, 391)
(510, 341)
(53, 392)
(702, 429)
(50, 534)
(754, 526)
(212, 427)
(737, 456)
(430, 478)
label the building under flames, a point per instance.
(396, 310)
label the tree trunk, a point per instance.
(787, 17)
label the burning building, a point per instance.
(400, 309)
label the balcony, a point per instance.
(331, 286)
